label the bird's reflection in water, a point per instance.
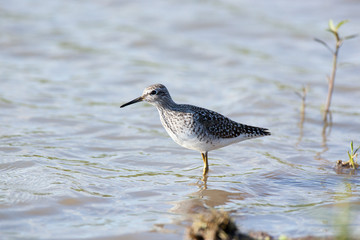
(206, 198)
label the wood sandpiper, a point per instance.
(195, 127)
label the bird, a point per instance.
(195, 127)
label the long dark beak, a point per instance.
(139, 99)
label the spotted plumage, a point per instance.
(194, 127)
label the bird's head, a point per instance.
(156, 94)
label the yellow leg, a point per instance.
(206, 164)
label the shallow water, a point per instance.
(75, 165)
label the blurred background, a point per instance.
(75, 165)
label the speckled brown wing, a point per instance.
(222, 127)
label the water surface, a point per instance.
(75, 165)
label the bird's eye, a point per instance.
(153, 92)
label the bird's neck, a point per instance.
(167, 104)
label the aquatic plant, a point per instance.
(353, 155)
(331, 79)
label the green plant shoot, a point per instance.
(352, 155)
